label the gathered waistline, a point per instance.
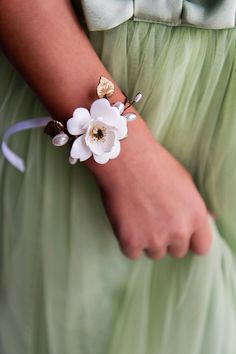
(177, 24)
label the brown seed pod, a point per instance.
(53, 128)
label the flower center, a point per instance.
(98, 133)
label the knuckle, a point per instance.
(179, 254)
(157, 255)
(179, 250)
(180, 234)
(156, 244)
(160, 255)
(202, 248)
(131, 254)
(179, 237)
(130, 243)
(201, 242)
(199, 251)
(130, 248)
(178, 226)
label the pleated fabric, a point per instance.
(65, 287)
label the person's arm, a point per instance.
(150, 198)
(46, 43)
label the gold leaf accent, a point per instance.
(105, 88)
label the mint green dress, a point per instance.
(65, 287)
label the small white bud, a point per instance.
(120, 106)
(60, 139)
(72, 160)
(130, 116)
(138, 97)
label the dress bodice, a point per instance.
(106, 14)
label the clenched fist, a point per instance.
(151, 200)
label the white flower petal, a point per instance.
(82, 114)
(102, 109)
(120, 124)
(104, 158)
(109, 114)
(115, 151)
(78, 123)
(99, 107)
(109, 141)
(80, 150)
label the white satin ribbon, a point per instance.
(14, 159)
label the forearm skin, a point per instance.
(45, 42)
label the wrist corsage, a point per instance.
(96, 132)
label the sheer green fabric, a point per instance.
(65, 286)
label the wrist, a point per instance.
(98, 131)
(133, 151)
(62, 111)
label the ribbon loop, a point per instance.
(12, 157)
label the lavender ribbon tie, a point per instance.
(12, 157)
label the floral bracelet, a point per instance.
(96, 132)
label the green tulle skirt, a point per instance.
(65, 286)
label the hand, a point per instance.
(151, 200)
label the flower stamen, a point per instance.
(98, 134)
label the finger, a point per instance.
(155, 254)
(201, 240)
(132, 254)
(178, 249)
(130, 251)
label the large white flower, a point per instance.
(99, 131)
